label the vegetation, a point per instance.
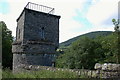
(85, 52)
(6, 45)
(40, 74)
(89, 35)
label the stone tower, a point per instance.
(37, 36)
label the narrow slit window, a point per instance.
(16, 32)
(19, 34)
(42, 33)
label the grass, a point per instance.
(40, 74)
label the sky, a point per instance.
(77, 16)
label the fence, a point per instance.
(40, 8)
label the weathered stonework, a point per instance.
(92, 74)
(37, 38)
(108, 67)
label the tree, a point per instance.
(109, 45)
(117, 38)
(6, 45)
(83, 53)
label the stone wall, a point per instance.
(20, 27)
(34, 21)
(83, 72)
(29, 32)
(108, 66)
(31, 59)
(108, 69)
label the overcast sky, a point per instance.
(77, 16)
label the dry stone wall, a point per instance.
(108, 66)
(83, 72)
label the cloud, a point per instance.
(101, 14)
(94, 12)
(101, 11)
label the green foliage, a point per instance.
(116, 23)
(7, 73)
(6, 45)
(113, 20)
(85, 52)
(111, 45)
(40, 74)
(82, 54)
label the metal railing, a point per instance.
(40, 8)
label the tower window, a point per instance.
(42, 33)
(19, 34)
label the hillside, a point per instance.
(90, 35)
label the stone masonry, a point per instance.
(37, 38)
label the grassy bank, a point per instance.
(40, 74)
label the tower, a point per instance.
(37, 36)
